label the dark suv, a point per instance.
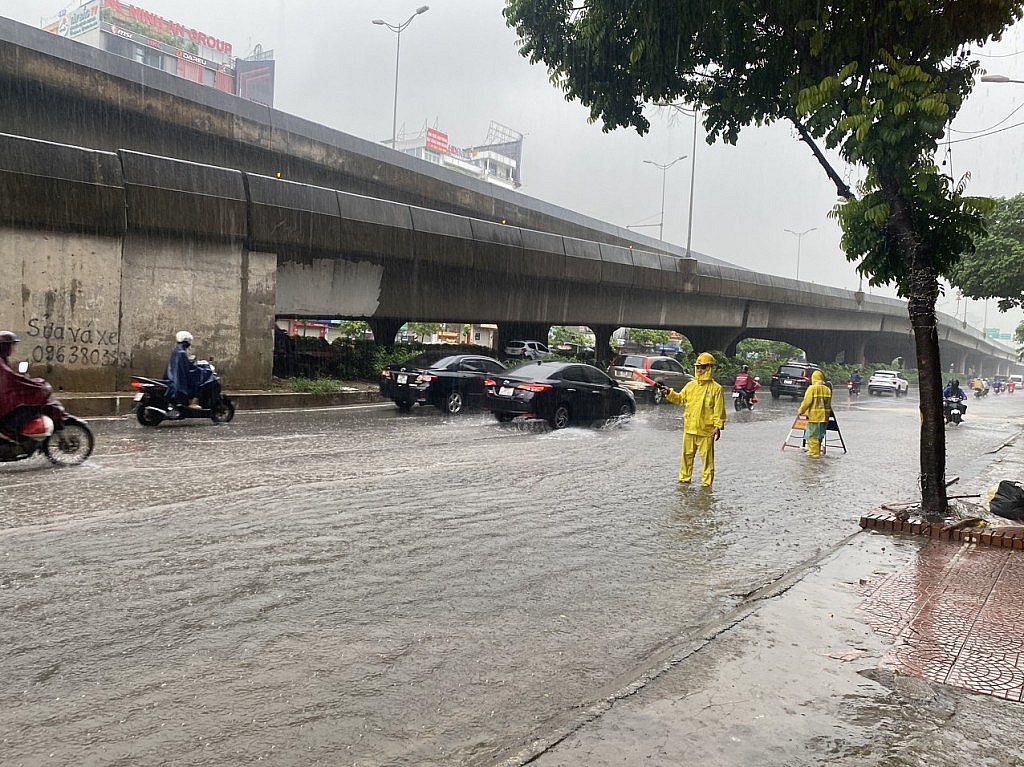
(792, 379)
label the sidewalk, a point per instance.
(891, 649)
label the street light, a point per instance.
(397, 29)
(664, 173)
(998, 79)
(799, 238)
(693, 164)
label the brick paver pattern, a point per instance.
(956, 616)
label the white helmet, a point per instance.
(183, 337)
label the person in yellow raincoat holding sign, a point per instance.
(703, 419)
(816, 407)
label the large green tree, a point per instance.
(877, 80)
(996, 268)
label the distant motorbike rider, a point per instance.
(745, 384)
(855, 382)
(186, 378)
(21, 397)
(817, 408)
(953, 391)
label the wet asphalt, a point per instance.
(358, 586)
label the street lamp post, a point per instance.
(999, 79)
(397, 29)
(799, 238)
(695, 114)
(664, 173)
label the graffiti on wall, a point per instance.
(70, 345)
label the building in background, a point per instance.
(497, 161)
(134, 33)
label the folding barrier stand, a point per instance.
(796, 434)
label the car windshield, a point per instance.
(425, 359)
(631, 361)
(794, 372)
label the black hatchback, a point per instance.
(560, 393)
(452, 383)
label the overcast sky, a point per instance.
(460, 69)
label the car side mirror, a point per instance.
(22, 367)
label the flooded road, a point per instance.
(361, 587)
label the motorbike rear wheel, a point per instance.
(70, 446)
(145, 416)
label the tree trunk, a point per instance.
(922, 289)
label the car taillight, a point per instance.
(136, 384)
(385, 373)
(534, 387)
(425, 378)
(489, 382)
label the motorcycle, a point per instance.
(64, 439)
(951, 408)
(152, 407)
(743, 400)
(979, 393)
(853, 387)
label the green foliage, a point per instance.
(760, 350)
(424, 329)
(996, 268)
(646, 336)
(315, 385)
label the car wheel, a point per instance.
(657, 395)
(775, 392)
(561, 417)
(404, 405)
(454, 403)
(503, 417)
(626, 409)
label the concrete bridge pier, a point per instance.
(854, 350)
(521, 331)
(385, 330)
(713, 339)
(603, 343)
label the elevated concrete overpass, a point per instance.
(120, 237)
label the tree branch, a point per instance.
(841, 187)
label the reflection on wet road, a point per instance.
(357, 586)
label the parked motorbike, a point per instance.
(951, 408)
(152, 407)
(64, 439)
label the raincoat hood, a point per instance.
(817, 377)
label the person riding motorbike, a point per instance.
(746, 384)
(855, 382)
(954, 392)
(185, 377)
(21, 397)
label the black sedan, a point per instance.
(560, 393)
(452, 383)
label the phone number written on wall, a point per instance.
(68, 345)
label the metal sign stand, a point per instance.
(796, 434)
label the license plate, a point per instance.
(788, 381)
(137, 397)
(735, 395)
(622, 374)
(401, 379)
(505, 391)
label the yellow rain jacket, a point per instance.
(704, 402)
(817, 403)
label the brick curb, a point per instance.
(1004, 536)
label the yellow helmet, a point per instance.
(706, 359)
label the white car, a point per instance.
(888, 382)
(529, 350)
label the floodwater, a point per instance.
(362, 587)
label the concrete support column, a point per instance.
(855, 349)
(521, 331)
(712, 339)
(385, 330)
(602, 343)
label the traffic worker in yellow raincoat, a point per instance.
(816, 407)
(703, 419)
